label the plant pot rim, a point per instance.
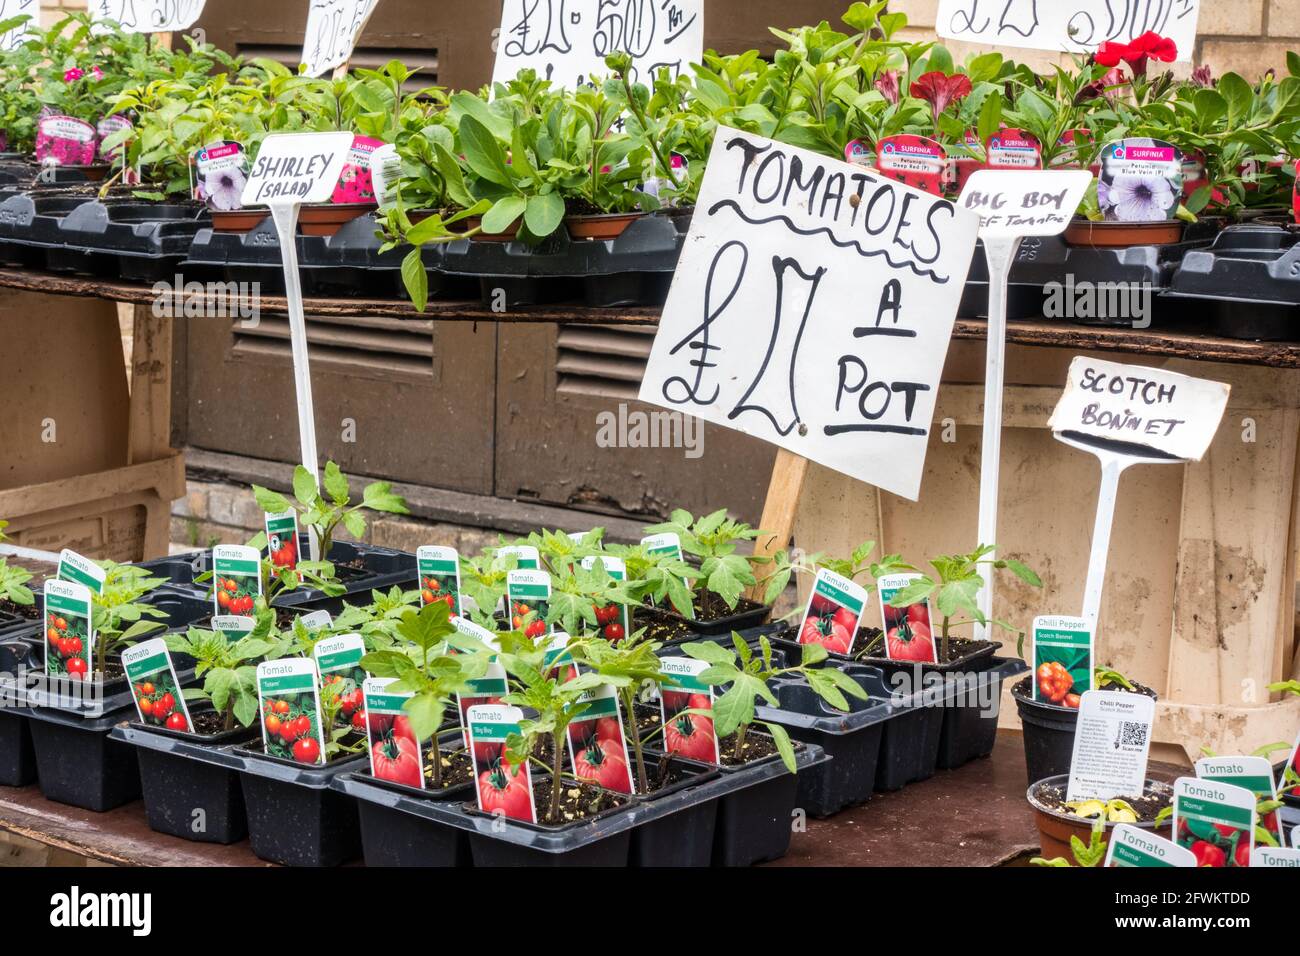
(1152, 786)
(629, 804)
(1061, 708)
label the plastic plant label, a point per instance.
(859, 152)
(385, 173)
(333, 27)
(81, 570)
(914, 161)
(488, 689)
(1295, 195)
(1025, 202)
(1079, 26)
(16, 37)
(566, 41)
(69, 629)
(1063, 654)
(218, 175)
(1159, 413)
(154, 687)
(282, 539)
(109, 126)
(146, 16)
(1295, 837)
(1196, 174)
(316, 620)
(1141, 181)
(395, 754)
(233, 626)
(499, 787)
(338, 661)
(1013, 149)
(64, 141)
(528, 596)
(356, 185)
(1274, 856)
(1253, 773)
(1111, 745)
(558, 661)
(685, 734)
(288, 699)
(1132, 846)
(439, 570)
(614, 621)
(236, 578)
(909, 635)
(525, 555)
(669, 542)
(597, 743)
(294, 168)
(1079, 147)
(1216, 821)
(834, 612)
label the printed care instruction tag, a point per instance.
(1111, 745)
(1132, 846)
(297, 168)
(1064, 646)
(1023, 202)
(154, 687)
(834, 612)
(73, 567)
(1216, 821)
(439, 570)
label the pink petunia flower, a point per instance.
(887, 84)
(73, 74)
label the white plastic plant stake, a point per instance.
(1012, 204)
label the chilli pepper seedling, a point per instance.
(1090, 854)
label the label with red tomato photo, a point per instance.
(289, 701)
(338, 661)
(69, 631)
(439, 570)
(395, 754)
(236, 578)
(500, 788)
(81, 570)
(1014, 149)
(233, 627)
(1215, 821)
(154, 687)
(1132, 846)
(488, 689)
(525, 555)
(1295, 196)
(915, 161)
(613, 621)
(597, 745)
(1062, 656)
(282, 539)
(558, 660)
(669, 543)
(908, 635)
(528, 596)
(834, 612)
(1253, 773)
(689, 735)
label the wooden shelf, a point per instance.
(1153, 342)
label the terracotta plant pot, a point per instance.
(1110, 235)
(328, 218)
(1056, 828)
(608, 226)
(238, 220)
(476, 222)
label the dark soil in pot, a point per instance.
(712, 616)
(509, 234)
(1056, 824)
(959, 652)
(24, 612)
(581, 806)
(457, 770)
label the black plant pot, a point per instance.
(749, 616)
(969, 729)
(17, 757)
(681, 834)
(77, 762)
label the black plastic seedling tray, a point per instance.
(138, 241)
(745, 621)
(969, 729)
(17, 756)
(29, 227)
(79, 764)
(1248, 281)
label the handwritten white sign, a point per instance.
(1017, 202)
(147, 16)
(12, 39)
(297, 168)
(567, 41)
(333, 27)
(1173, 415)
(1111, 745)
(1074, 26)
(812, 307)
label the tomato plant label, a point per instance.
(1141, 181)
(558, 660)
(812, 308)
(338, 661)
(69, 629)
(834, 612)
(614, 621)
(525, 555)
(157, 693)
(395, 753)
(669, 542)
(1126, 407)
(1215, 821)
(439, 570)
(500, 787)
(488, 689)
(566, 41)
(18, 35)
(1062, 658)
(233, 626)
(1072, 26)
(1015, 203)
(73, 567)
(316, 620)
(1111, 744)
(146, 16)
(282, 539)
(295, 168)
(686, 708)
(1132, 846)
(597, 744)
(236, 578)
(288, 699)
(333, 27)
(908, 633)
(528, 594)
(1253, 773)
(1275, 856)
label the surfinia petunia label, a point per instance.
(439, 570)
(860, 153)
(686, 708)
(1014, 149)
(1062, 658)
(69, 629)
(218, 174)
(110, 126)
(81, 570)
(908, 633)
(1215, 821)
(1141, 181)
(500, 787)
(236, 578)
(834, 612)
(915, 161)
(155, 689)
(288, 699)
(355, 185)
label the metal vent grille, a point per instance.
(606, 361)
(423, 62)
(369, 347)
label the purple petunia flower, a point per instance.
(224, 190)
(1140, 198)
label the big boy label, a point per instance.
(501, 787)
(686, 706)
(908, 634)
(834, 612)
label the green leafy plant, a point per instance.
(13, 579)
(1090, 854)
(228, 669)
(714, 539)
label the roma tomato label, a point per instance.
(597, 744)
(154, 687)
(338, 661)
(236, 579)
(687, 734)
(915, 161)
(525, 555)
(289, 704)
(282, 539)
(395, 753)
(500, 787)
(439, 570)
(859, 153)
(64, 141)
(80, 570)
(1062, 657)
(669, 543)
(1141, 181)
(613, 621)
(834, 613)
(218, 174)
(1014, 149)
(908, 634)
(356, 185)
(528, 596)
(1132, 846)
(1215, 821)
(69, 630)
(1253, 773)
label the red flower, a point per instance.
(887, 84)
(1107, 86)
(1149, 46)
(1203, 76)
(941, 90)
